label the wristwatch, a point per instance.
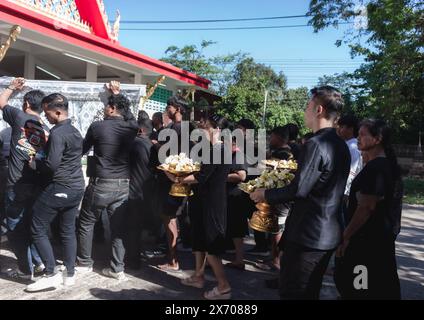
(13, 89)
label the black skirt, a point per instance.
(200, 243)
(378, 256)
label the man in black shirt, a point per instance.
(108, 189)
(143, 159)
(28, 137)
(62, 195)
(313, 229)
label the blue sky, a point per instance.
(301, 54)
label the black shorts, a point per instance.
(172, 206)
(237, 213)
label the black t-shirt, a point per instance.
(29, 136)
(112, 139)
(284, 153)
(376, 179)
(295, 150)
(142, 163)
(232, 188)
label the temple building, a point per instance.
(72, 40)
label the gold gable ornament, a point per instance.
(15, 31)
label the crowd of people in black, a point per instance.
(345, 199)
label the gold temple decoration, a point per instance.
(116, 26)
(13, 35)
(191, 91)
(150, 92)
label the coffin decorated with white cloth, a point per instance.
(86, 99)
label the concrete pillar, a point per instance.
(91, 73)
(29, 66)
(138, 78)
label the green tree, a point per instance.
(390, 37)
(356, 100)
(218, 69)
(246, 96)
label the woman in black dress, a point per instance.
(366, 265)
(209, 222)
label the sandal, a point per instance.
(168, 267)
(266, 267)
(214, 294)
(193, 282)
(237, 266)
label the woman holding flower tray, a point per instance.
(209, 223)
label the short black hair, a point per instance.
(34, 99)
(157, 115)
(178, 102)
(282, 132)
(218, 121)
(330, 98)
(246, 123)
(145, 124)
(55, 101)
(350, 121)
(122, 104)
(142, 115)
(293, 130)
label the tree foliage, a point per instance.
(391, 81)
(219, 69)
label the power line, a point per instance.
(211, 21)
(216, 29)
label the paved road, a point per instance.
(151, 283)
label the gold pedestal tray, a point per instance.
(179, 189)
(264, 220)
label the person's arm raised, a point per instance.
(16, 84)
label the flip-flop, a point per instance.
(233, 265)
(168, 267)
(191, 282)
(214, 294)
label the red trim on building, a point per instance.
(29, 19)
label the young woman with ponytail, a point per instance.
(366, 267)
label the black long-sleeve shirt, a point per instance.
(317, 191)
(112, 139)
(63, 157)
(143, 160)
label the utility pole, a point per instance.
(265, 103)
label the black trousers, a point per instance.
(110, 195)
(302, 271)
(56, 200)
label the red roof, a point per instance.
(32, 20)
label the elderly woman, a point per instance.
(366, 268)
